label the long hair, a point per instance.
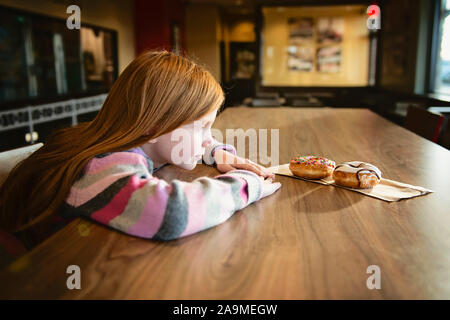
(156, 93)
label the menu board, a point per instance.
(314, 46)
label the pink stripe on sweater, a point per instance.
(153, 213)
(196, 208)
(123, 158)
(117, 205)
(78, 196)
(244, 191)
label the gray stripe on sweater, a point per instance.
(134, 208)
(176, 215)
(212, 192)
(254, 184)
(235, 191)
(89, 179)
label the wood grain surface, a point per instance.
(306, 241)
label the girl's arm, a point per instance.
(227, 161)
(119, 191)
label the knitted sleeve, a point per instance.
(119, 191)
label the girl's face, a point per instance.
(185, 145)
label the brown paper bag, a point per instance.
(387, 190)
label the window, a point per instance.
(41, 60)
(442, 74)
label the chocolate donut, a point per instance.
(357, 174)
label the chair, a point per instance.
(305, 102)
(267, 95)
(10, 247)
(424, 123)
(302, 99)
(445, 137)
(267, 102)
(10, 158)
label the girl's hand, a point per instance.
(269, 187)
(226, 161)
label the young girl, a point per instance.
(103, 169)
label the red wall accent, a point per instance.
(153, 20)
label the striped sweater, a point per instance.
(119, 190)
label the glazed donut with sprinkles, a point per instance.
(311, 167)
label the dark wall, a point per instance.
(398, 45)
(153, 23)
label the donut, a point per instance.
(311, 167)
(356, 174)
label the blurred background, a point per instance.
(299, 54)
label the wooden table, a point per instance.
(306, 241)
